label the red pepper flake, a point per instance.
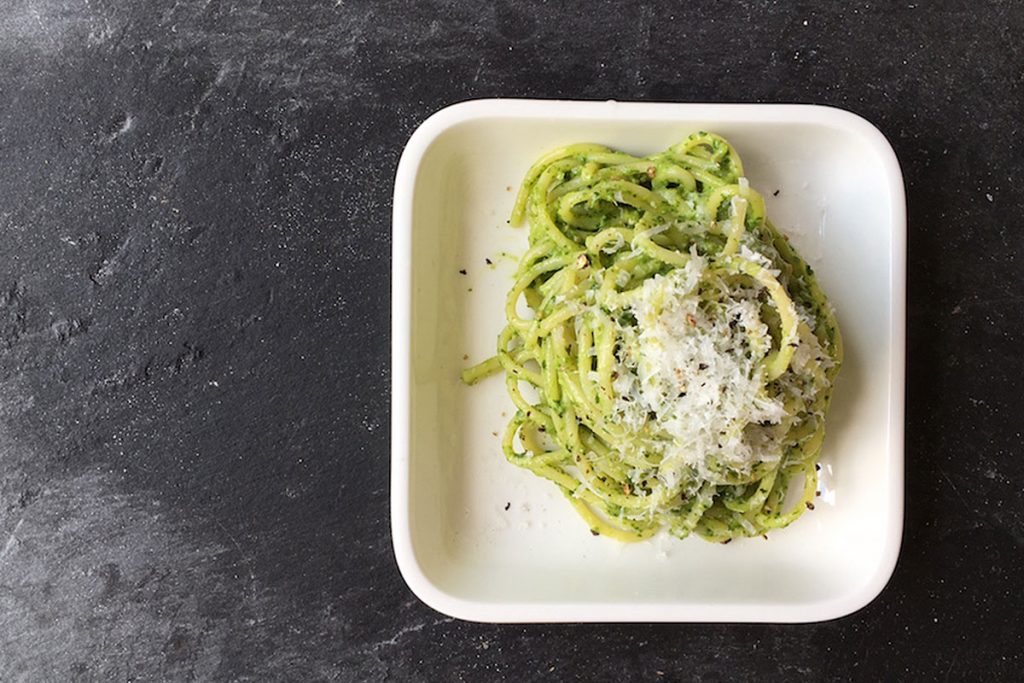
(692, 320)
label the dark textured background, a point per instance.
(194, 345)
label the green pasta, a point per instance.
(670, 355)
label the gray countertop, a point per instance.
(194, 327)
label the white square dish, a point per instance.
(480, 539)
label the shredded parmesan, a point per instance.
(694, 389)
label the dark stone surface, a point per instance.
(194, 346)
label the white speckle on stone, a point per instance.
(12, 539)
(126, 125)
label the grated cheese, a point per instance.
(689, 382)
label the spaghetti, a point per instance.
(670, 355)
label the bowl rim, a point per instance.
(401, 346)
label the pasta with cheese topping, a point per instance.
(674, 360)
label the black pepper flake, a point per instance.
(702, 366)
(508, 505)
(817, 467)
(595, 532)
(488, 261)
(462, 271)
(727, 541)
(764, 536)
(775, 194)
(542, 428)
(810, 505)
